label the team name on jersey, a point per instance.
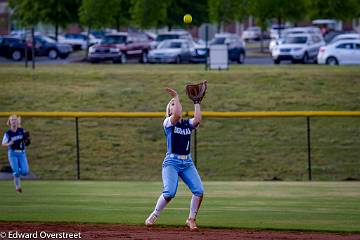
(18, 137)
(181, 131)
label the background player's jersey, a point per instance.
(17, 137)
(178, 136)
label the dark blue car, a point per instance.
(14, 48)
(236, 48)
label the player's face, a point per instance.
(13, 121)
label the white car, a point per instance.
(346, 36)
(298, 48)
(340, 52)
(78, 40)
(251, 33)
(296, 30)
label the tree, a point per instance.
(281, 10)
(284, 10)
(96, 14)
(262, 11)
(26, 12)
(336, 9)
(176, 9)
(60, 12)
(148, 13)
(121, 13)
(223, 11)
(170, 13)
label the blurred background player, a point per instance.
(178, 161)
(15, 140)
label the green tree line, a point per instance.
(169, 13)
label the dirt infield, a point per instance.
(112, 232)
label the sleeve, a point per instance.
(5, 139)
(191, 121)
(167, 123)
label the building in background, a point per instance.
(4, 17)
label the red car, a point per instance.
(119, 47)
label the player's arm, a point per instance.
(6, 142)
(197, 115)
(177, 109)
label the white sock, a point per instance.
(194, 206)
(17, 182)
(160, 205)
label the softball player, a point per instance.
(178, 161)
(14, 139)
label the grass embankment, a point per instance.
(228, 149)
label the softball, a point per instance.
(187, 18)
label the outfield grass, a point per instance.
(229, 149)
(318, 206)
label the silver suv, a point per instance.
(298, 48)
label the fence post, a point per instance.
(195, 148)
(77, 148)
(309, 146)
(206, 46)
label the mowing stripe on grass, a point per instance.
(319, 206)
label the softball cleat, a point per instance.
(191, 223)
(151, 219)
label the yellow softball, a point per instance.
(187, 18)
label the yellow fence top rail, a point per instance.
(204, 114)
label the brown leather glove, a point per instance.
(196, 92)
(27, 140)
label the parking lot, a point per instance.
(253, 52)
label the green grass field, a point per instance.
(318, 206)
(228, 149)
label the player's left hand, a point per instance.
(172, 92)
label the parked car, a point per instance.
(78, 40)
(120, 47)
(340, 52)
(14, 48)
(298, 48)
(45, 46)
(297, 30)
(331, 35)
(172, 51)
(346, 36)
(151, 36)
(251, 33)
(199, 52)
(276, 31)
(170, 35)
(236, 47)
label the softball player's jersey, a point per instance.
(17, 137)
(16, 152)
(178, 136)
(178, 161)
